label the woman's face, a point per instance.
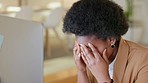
(96, 42)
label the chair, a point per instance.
(51, 22)
(25, 13)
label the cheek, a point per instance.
(109, 52)
(101, 46)
(100, 50)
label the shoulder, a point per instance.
(138, 53)
(137, 48)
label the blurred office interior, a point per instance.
(59, 66)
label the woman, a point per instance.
(101, 54)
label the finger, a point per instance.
(87, 58)
(87, 52)
(84, 59)
(105, 56)
(95, 51)
(75, 44)
(84, 53)
(78, 56)
(78, 48)
(74, 50)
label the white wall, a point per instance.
(122, 3)
(145, 20)
(140, 31)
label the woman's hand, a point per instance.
(97, 64)
(78, 59)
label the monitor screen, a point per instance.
(21, 52)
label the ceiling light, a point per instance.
(13, 9)
(54, 5)
(1, 5)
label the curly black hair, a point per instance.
(102, 18)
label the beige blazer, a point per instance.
(131, 65)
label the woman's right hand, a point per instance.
(78, 59)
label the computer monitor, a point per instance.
(21, 52)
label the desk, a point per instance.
(60, 70)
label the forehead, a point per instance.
(86, 39)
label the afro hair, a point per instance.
(102, 18)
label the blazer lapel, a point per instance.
(121, 61)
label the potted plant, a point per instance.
(134, 25)
(129, 10)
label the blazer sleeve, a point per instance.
(143, 71)
(143, 75)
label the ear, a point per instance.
(111, 40)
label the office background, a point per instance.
(59, 66)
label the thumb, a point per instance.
(105, 56)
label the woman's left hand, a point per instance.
(97, 64)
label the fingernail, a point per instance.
(77, 44)
(81, 45)
(81, 48)
(89, 44)
(79, 55)
(105, 50)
